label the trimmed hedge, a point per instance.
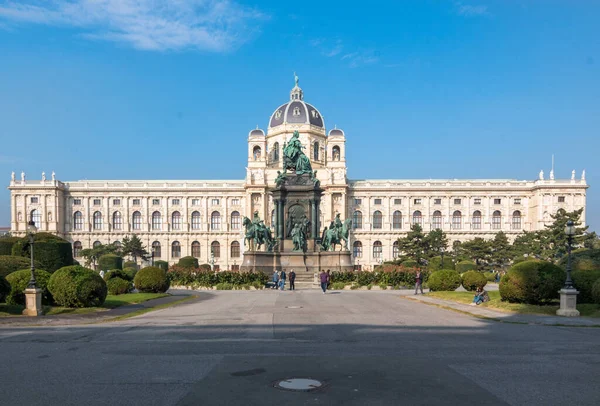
(409, 263)
(205, 267)
(532, 282)
(110, 261)
(117, 273)
(198, 278)
(434, 263)
(471, 280)
(596, 292)
(188, 262)
(130, 273)
(444, 280)
(76, 286)
(11, 263)
(4, 288)
(584, 260)
(118, 286)
(50, 251)
(151, 280)
(584, 281)
(6, 244)
(464, 266)
(130, 264)
(164, 265)
(490, 276)
(20, 279)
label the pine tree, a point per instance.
(501, 250)
(414, 244)
(134, 247)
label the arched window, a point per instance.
(235, 249)
(196, 220)
(256, 153)
(97, 220)
(215, 221)
(497, 220)
(96, 244)
(397, 220)
(377, 250)
(357, 220)
(377, 220)
(235, 220)
(156, 249)
(77, 221)
(456, 220)
(117, 221)
(215, 248)
(516, 220)
(175, 249)
(77, 249)
(476, 221)
(396, 249)
(117, 244)
(176, 220)
(437, 220)
(316, 151)
(136, 220)
(357, 249)
(335, 153)
(417, 218)
(156, 221)
(36, 217)
(196, 249)
(276, 152)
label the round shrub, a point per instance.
(11, 263)
(151, 280)
(490, 276)
(76, 286)
(188, 262)
(584, 281)
(471, 280)
(409, 263)
(4, 288)
(18, 283)
(117, 273)
(584, 260)
(205, 267)
(130, 272)
(110, 261)
(6, 244)
(51, 251)
(130, 264)
(118, 286)
(164, 265)
(445, 279)
(596, 292)
(464, 266)
(436, 264)
(532, 282)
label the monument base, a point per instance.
(309, 262)
(568, 303)
(33, 302)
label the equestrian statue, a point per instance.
(336, 234)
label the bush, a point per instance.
(76, 286)
(130, 264)
(490, 276)
(118, 286)
(188, 262)
(4, 288)
(110, 261)
(130, 272)
(197, 278)
(445, 279)
(6, 244)
(409, 263)
(224, 286)
(164, 265)
(18, 283)
(464, 266)
(434, 263)
(11, 263)
(596, 292)
(584, 260)
(117, 273)
(337, 285)
(205, 267)
(51, 251)
(471, 280)
(343, 276)
(532, 282)
(151, 280)
(584, 281)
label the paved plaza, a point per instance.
(366, 347)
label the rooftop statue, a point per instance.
(294, 158)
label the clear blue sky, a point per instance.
(124, 89)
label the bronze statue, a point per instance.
(294, 158)
(257, 234)
(336, 234)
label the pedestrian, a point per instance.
(498, 277)
(275, 279)
(328, 278)
(282, 279)
(323, 279)
(418, 282)
(292, 280)
(102, 274)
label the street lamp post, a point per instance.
(568, 294)
(33, 295)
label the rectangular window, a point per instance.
(195, 202)
(97, 202)
(77, 202)
(437, 201)
(235, 268)
(235, 251)
(377, 201)
(496, 222)
(497, 201)
(214, 202)
(34, 200)
(417, 201)
(476, 222)
(137, 221)
(561, 199)
(357, 202)
(517, 201)
(78, 221)
(216, 268)
(116, 202)
(457, 201)
(477, 200)
(175, 202)
(397, 201)
(136, 202)
(357, 250)
(235, 202)
(155, 202)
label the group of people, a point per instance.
(279, 278)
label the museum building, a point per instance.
(203, 218)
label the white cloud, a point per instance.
(471, 11)
(336, 49)
(213, 25)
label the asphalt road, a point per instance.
(367, 348)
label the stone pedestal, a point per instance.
(33, 302)
(568, 303)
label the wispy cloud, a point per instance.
(471, 10)
(336, 48)
(211, 25)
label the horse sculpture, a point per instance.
(336, 235)
(256, 234)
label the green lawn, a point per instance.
(589, 310)
(111, 302)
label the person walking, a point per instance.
(275, 280)
(292, 280)
(323, 279)
(282, 279)
(328, 278)
(418, 282)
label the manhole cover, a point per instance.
(299, 384)
(294, 307)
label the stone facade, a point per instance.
(196, 217)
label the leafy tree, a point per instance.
(414, 245)
(435, 242)
(501, 250)
(592, 241)
(91, 255)
(528, 244)
(555, 241)
(478, 250)
(134, 247)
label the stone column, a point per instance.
(282, 218)
(314, 220)
(277, 220)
